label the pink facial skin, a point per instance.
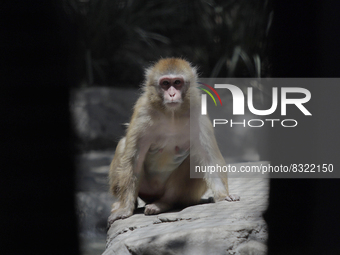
(171, 87)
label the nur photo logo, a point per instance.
(204, 97)
(301, 97)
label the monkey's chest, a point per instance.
(163, 159)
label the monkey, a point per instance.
(153, 160)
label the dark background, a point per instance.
(47, 47)
(37, 171)
(117, 39)
(302, 214)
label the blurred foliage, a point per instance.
(118, 39)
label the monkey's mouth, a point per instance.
(173, 103)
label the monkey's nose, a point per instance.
(172, 95)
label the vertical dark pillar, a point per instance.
(37, 214)
(303, 213)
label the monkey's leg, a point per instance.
(179, 189)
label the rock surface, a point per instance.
(212, 228)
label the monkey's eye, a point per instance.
(165, 85)
(178, 84)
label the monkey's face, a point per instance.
(168, 82)
(171, 87)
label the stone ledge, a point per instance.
(215, 228)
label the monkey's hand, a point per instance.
(118, 212)
(232, 198)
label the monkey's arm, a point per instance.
(126, 168)
(208, 154)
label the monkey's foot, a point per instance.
(156, 208)
(119, 214)
(232, 198)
